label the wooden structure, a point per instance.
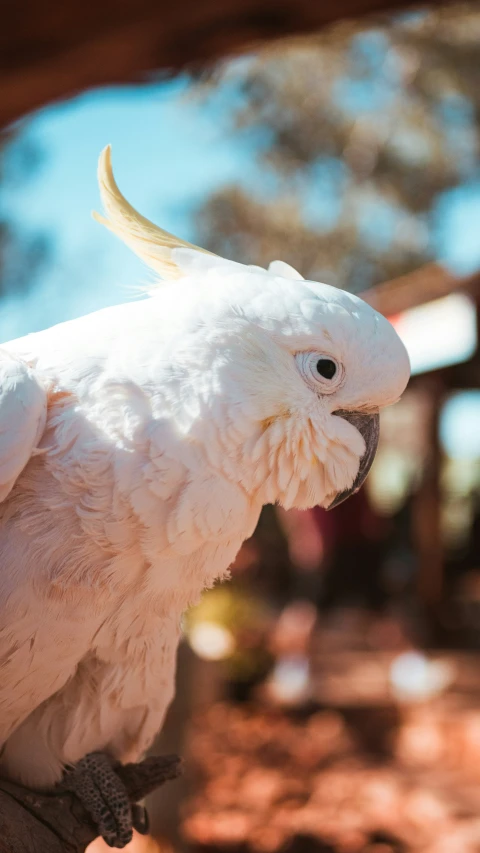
(50, 49)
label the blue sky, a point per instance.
(459, 430)
(169, 152)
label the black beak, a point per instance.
(369, 427)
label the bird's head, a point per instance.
(292, 373)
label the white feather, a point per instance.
(137, 448)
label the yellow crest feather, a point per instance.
(151, 243)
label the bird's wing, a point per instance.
(40, 649)
(23, 412)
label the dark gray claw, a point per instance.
(95, 783)
(140, 819)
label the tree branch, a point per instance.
(57, 822)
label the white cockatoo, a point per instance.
(138, 445)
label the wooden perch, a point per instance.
(52, 49)
(58, 823)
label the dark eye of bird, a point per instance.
(326, 368)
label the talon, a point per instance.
(98, 787)
(140, 819)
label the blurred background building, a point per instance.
(328, 696)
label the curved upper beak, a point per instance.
(369, 427)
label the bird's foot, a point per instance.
(96, 783)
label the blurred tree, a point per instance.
(361, 131)
(21, 253)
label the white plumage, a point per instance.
(137, 447)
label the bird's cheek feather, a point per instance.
(300, 461)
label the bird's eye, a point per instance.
(326, 368)
(320, 371)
